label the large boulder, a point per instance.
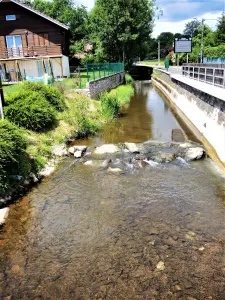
(194, 154)
(107, 149)
(73, 149)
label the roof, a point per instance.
(40, 14)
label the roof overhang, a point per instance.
(40, 14)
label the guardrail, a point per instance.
(208, 74)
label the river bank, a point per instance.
(81, 118)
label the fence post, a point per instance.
(104, 68)
(99, 69)
(87, 73)
(1, 99)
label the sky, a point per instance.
(178, 12)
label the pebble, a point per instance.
(160, 266)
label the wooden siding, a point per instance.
(31, 26)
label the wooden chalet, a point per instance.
(31, 43)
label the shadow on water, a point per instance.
(152, 233)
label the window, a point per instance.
(10, 17)
(41, 39)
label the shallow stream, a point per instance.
(152, 233)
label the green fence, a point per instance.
(95, 71)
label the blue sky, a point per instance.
(178, 12)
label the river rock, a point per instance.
(98, 163)
(160, 266)
(132, 147)
(78, 154)
(106, 149)
(33, 177)
(4, 212)
(194, 153)
(59, 150)
(114, 170)
(162, 157)
(47, 170)
(73, 149)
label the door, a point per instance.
(14, 45)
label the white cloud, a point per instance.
(174, 27)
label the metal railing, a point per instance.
(83, 75)
(205, 73)
(34, 51)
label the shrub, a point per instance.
(110, 105)
(31, 112)
(14, 161)
(80, 116)
(128, 79)
(51, 94)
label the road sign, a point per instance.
(183, 45)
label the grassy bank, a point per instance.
(41, 117)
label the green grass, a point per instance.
(8, 89)
(153, 62)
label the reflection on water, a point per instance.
(147, 118)
(86, 234)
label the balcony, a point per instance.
(29, 52)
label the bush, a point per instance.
(14, 161)
(128, 79)
(31, 111)
(110, 105)
(51, 94)
(80, 116)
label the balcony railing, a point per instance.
(34, 51)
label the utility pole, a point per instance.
(1, 98)
(203, 20)
(158, 53)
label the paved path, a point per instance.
(201, 86)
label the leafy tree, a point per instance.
(220, 32)
(121, 28)
(191, 27)
(66, 12)
(166, 42)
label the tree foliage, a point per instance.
(66, 12)
(191, 27)
(120, 29)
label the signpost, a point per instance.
(183, 45)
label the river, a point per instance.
(154, 233)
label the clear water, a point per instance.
(86, 234)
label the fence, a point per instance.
(94, 71)
(210, 74)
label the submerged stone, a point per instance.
(115, 170)
(160, 266)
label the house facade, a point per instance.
(31, 43)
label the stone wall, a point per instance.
(203, 113)
(98, 86)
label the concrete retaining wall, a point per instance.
(203, 113)
(98, 86)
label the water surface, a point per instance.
(86, 234)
